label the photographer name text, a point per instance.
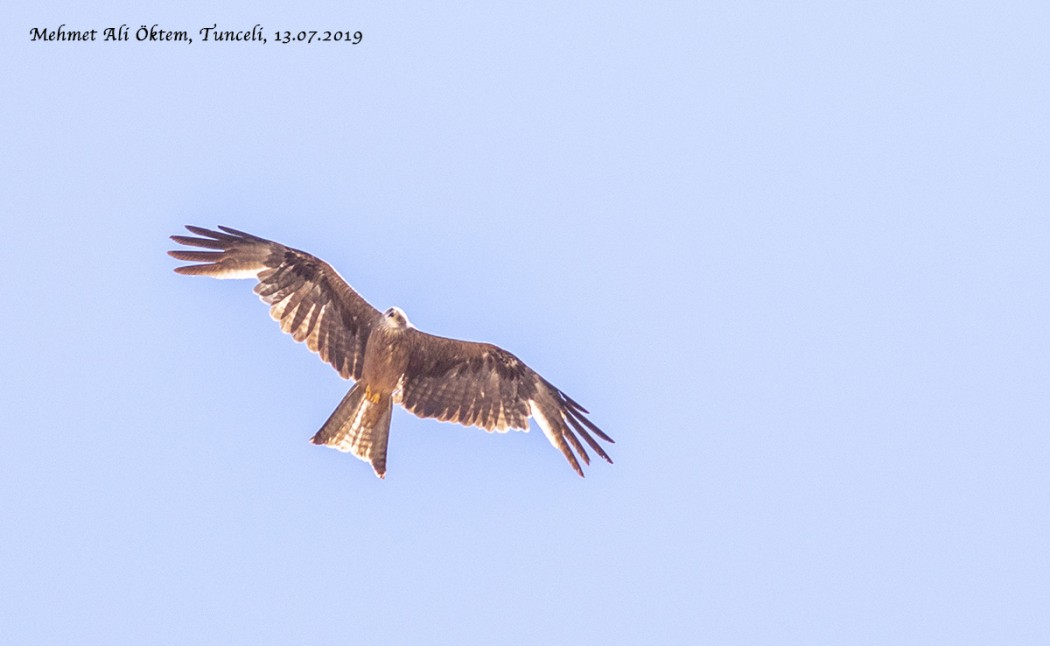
(158, 34)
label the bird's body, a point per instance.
(475, 384)
(387, 353)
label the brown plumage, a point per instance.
(474, 384)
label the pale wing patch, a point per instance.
(237, 273)
(277, 309)
(553, 435)
(221, 271)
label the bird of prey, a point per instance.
(390, 361)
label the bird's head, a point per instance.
(395, 317)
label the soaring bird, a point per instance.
(390, 361)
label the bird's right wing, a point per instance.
(310, 300)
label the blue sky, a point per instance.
(792, 258)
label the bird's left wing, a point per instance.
(310, 300)
(480, 384)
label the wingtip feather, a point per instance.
(201, 231)
(193, 270)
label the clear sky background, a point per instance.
(792, 256)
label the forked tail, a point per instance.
(359, 425)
